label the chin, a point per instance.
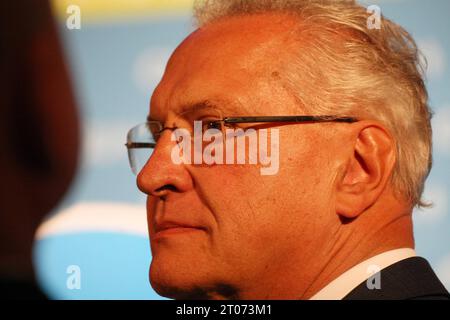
(184, 280)
(175, 278)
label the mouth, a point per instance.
(169, 229)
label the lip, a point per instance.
(172, 228)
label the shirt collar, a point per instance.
(349, 280)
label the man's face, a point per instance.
(246, 230)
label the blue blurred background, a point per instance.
(116, 60)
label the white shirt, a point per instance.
(349, 280)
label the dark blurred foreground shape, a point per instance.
(39, 137)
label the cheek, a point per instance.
(256, 215)
(306, 162)
(242, 204)
(253, 213)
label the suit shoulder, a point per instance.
(411, 278)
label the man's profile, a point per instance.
(354, 149)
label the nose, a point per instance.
(161, 176)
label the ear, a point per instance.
(368, 168)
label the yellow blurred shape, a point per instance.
(95, 10)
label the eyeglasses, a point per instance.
(142, 139)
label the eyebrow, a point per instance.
(223, 106)
(197, 106)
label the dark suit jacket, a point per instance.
(410, 278)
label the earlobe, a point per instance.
(367, 171)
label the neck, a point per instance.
(367, 236)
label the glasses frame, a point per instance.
(293, 119)
(260, 119)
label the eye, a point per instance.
(212, 125)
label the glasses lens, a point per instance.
(141, 142)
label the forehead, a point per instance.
(232, 63)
